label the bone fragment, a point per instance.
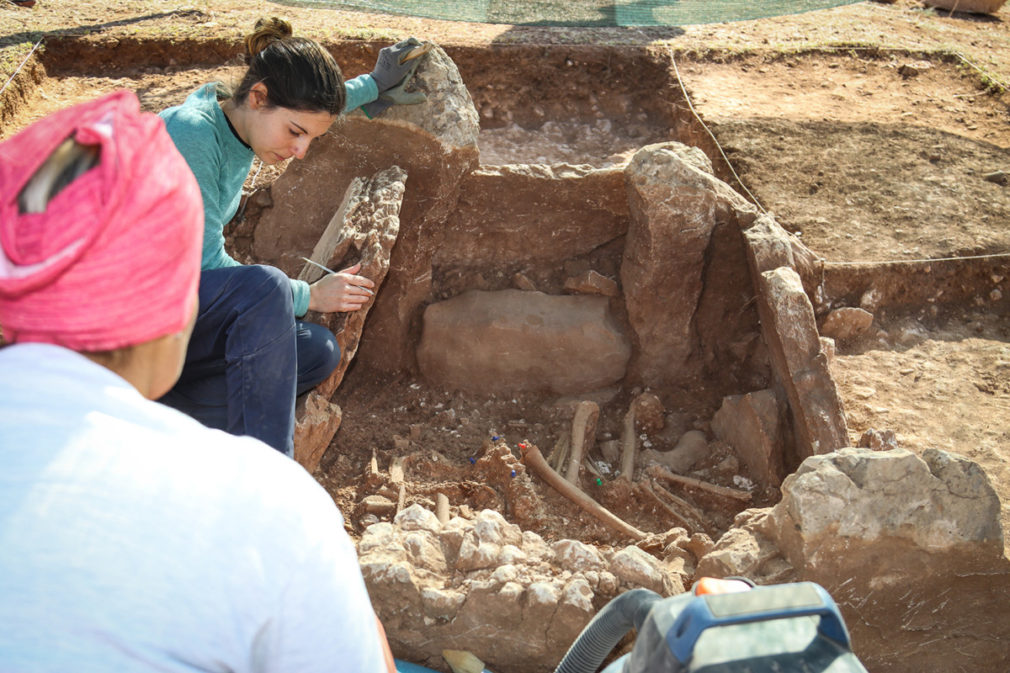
(442, 508)
(698, 517)
(401, 498)
(628, 445)
(583, 434)
(691, 526)
(461, 661)
(660, 472)
(534, 460)
(560, 453)
(396, 470)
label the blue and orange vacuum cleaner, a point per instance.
(720, 626)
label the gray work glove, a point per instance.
(390, 69)
(391, 75)
(395, 96)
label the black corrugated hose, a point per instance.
(606, 629)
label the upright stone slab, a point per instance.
(365, 227)
(435, 143)
(513, 340)
(790, 331)
(533, 214)
(675, 203)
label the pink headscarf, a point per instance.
(115, 259)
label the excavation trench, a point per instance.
(580, 273)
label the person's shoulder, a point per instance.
(199, 111)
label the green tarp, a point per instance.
(582, 12)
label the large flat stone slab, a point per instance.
(514, 340)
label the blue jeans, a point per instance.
(248, 357)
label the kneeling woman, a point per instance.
(249, 356)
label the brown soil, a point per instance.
(873, 131)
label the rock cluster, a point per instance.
(910, 547)
(485, 586)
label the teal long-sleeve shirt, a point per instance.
(221, 162)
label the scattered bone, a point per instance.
(561, 449)
(534, 460)
(376, 504)
(396, 470)
(691, 447)
(660, 472)
(401, 498)
(696, 516)
(677, 516)
(442, 508)
(461, 661)
(611, 450)
(583, 436)
(628, 445)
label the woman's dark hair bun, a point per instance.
(266, 31)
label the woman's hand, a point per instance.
(342, 291)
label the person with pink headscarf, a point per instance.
(132, 537)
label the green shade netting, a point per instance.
(582, 12)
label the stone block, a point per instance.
(513, 340)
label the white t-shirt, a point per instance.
(132, 538)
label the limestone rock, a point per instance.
(577, 556)
(367, 223)
(770, 246)
(846, 322)
(791, 333)
(936, 503)
(675, 204)
(448, 112)
(483, 585)
(592, 282)
(513, 340)
(878, 440)
(907, 546)
(648, 412)
(750, 423)
(637, 568)
(316, 422)
(533, 214)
